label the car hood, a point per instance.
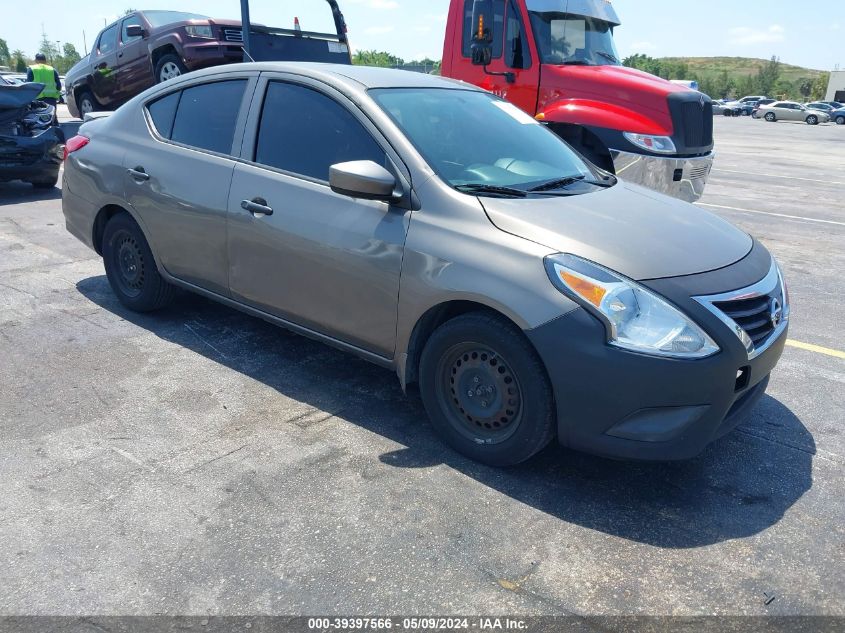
(632, 230)
(19, 96)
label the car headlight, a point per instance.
(636, 318)
(660, 144)
(203, 30)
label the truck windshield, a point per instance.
(564, 38)
(163, 18)
(475, 139)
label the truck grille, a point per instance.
(233, 35)
(699, 172)
(697, 124)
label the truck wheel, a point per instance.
(131, 268)
(486, 390)
(812, 120)
(86, 102)
(770, 117)
(169, 67)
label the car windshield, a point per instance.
(475, 138)
(163, 18)
(564, 38)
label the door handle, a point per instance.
(138, 173)
(256, 206)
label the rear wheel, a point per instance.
(812, 120)
(46, 183)
(770, 117)
(486, 390)
(86, 102)
(169, 67)
(131, 268)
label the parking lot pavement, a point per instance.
(201, 461)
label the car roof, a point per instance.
(356, 77)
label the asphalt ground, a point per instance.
(199, 461)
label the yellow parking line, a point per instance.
(816, 348)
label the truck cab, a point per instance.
(557, 60)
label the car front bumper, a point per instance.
(621, 404)
(31, 158)
(683, 178)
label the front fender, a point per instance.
(597, 114)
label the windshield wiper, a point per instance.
(560, 183)
(608, 56)
(492, 189)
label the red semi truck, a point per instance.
(556, 59)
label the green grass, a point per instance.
(741, 67)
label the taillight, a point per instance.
(75, 143)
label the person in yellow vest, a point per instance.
(45, 74)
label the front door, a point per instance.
(325, 261)
(177, 178)
(134, 74)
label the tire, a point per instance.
(47, 183)
(131, 268)
(86, 102)
(812, 120)
(840, 120)
(770, 117)
(728, 113)
(169, 67)
(486, 391)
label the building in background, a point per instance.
(836, 87)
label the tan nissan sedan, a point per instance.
(436, 230)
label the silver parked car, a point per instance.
(436, 230)
(791, 111)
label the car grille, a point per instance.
(752, 315)
(233, 35)
(757, 314)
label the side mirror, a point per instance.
(135, 30)
(482, 32)
(363, 179)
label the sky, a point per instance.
(413, 29)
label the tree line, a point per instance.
(768, 80)
(61, 56)
(386, 60)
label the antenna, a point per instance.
(247, 54)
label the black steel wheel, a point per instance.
(131, 268)
(486, 391)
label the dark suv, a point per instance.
(145, 48)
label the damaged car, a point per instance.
(31, 145)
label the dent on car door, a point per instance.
(180, 187)
(322, 260)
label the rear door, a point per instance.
(134, 74)
(325, 261)
(104, 66)
(178, 176)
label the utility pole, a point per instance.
(85, 42)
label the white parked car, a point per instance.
(791, 111)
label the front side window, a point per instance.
(564, 38)
(108, 41)
(498, 28)
(125, 38)
(471, 137)
(305, 132)
(209, 127)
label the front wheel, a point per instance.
(812, 120)
(486, 391)
(840, 120)
(770, 117)
(169, 67)
(131, 268)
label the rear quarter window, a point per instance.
(162, 112)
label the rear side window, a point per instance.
(305, 132)
(498, 28)
(163, 111)
(207, 114)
